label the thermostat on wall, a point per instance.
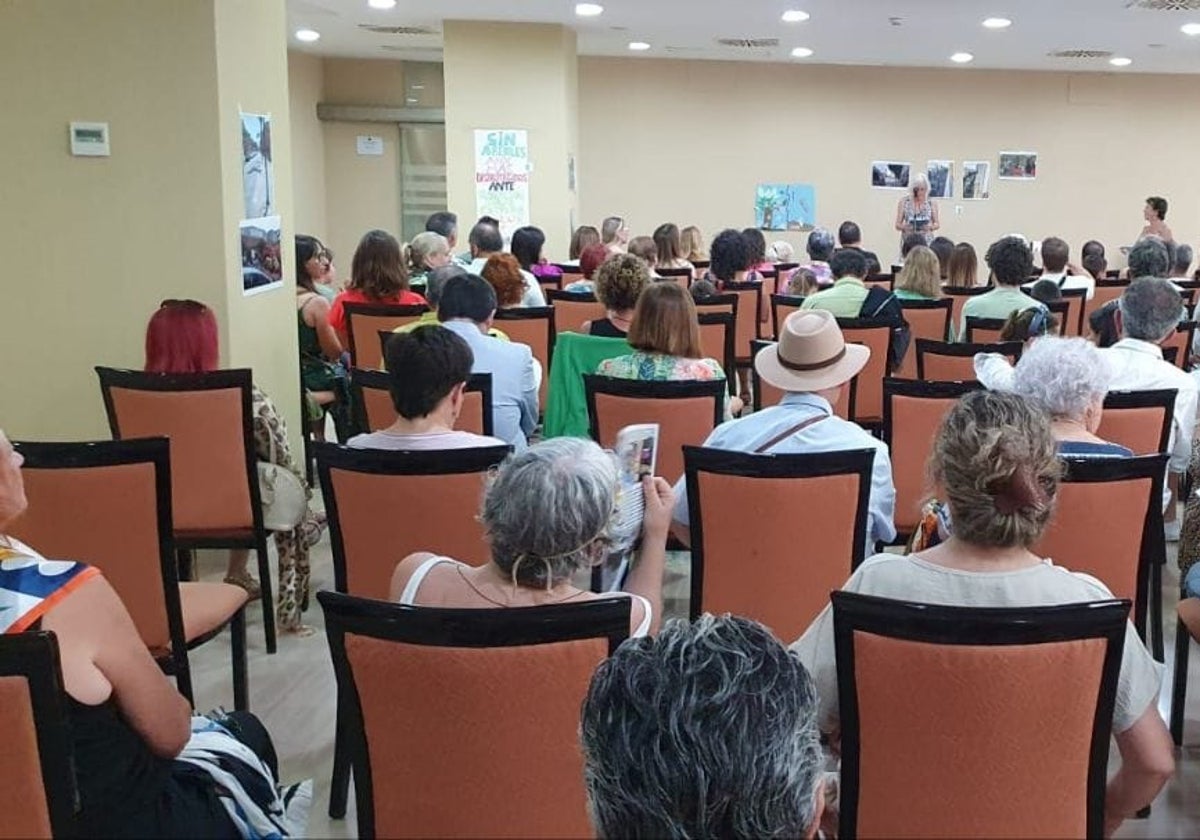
(89, 139)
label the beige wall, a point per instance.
(687, 141)
(363, 190)
(354, 81)
(306, 82)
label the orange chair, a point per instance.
(1139, 420)
(1033, 742)
(1071, 311)
(912, 413)
(768, 395)
(750, 566)
(1108, 289)
(1187, 628)
(1181, 340)
(983, 330)
(364, 322)
(372, 399)
(686, 413)
(940, 361)
(884, 281)
(573, 309)
(716, 341)
(959, 296)
(570, 274)
(108, 504)
(682, 276)
(866, 389)
(783, 274)
(781, 307)
(214, 470)
(747, 316)
(534, 326)
(423, 726)
(928, 319)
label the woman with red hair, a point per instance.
(182, 338)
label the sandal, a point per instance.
(247, 582)
(300, 631)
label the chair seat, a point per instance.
(201, 536)
(1189, 614)
(208, 606)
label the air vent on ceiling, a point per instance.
(749, 43)
(1165, 5)
(410, 50)
(1081, 54)
(398, 30)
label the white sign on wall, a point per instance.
(367, 144)
(502, 170)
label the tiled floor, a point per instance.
(293, 692)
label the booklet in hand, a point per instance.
(636, 448)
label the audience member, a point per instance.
(1155, 214)
(426, 252)
(503, 272)
(803, 283)
(1045, 291)
(619, 283)
(820, 251)
(783, 250)
(1095, 265)
(181, 337)
(849, 297)
(943, 248)
(665, 337)
(1011, 263)
(963, 267)
(614, 234)
(377, 275)
(1027, 324)
(703, 290)
(446, 224)
(486, 241)
(669, 247)
(910, 241)
(1057, 268)
(729, 257)
(1149, 258)
(315, 261)
(593, 257)
(1102, 325)
(708, 730)
(433, 293)
(527, 244)
(996, 461)
(921, 277)
(691, 244)
(1182, 264)
(467, 307)
(643, 248)
(756, 246)
(322, 372)
(1092, 246)
(850, 237)
(575, 487)
(812, 364)
(583, 237)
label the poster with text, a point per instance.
(1018, 166)
(502, 177)
(258, 172)
(890, 175)
(785, 207)
(262, 258)
(975, 179)
(941, 178)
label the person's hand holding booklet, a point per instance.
(636, 448)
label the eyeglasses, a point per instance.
(324, 254)
(185, 303)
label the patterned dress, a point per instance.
(659, 367)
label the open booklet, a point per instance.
(637, 450)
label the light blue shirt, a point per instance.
(832, 434)
(514, 382)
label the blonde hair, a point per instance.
(424, 246)
(691, 244)
(922, 273)
(916, 182)
(611, 227)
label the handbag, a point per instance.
(283, 495)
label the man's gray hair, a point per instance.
(1183, 260)
(1150, 309)
(548, 510)
(1149, 258)
(436, 280)
(1061, 376)
(708, 730)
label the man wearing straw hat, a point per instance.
(812, 363)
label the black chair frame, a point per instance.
(594, 384)
(974, 322)
(535, 313)
(1002, 626)
(1183, 642)
(730, 288)
(866, 324)
(755, 379)
(728, 363)
(242, 379)
(1165, 397)
(377, 309)
(606, 618)
(778, 300)
(672, 273)
(934, 390)
(378, 380)
(961, 350)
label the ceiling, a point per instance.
(908, 33)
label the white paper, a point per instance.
(502, 168)
(369, 145)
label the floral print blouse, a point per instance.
(659, 367)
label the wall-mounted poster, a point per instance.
(1018, 166)
(785, 207)
(890, 175)
(941, 178)
(262, 265)
(258, 173)
(502, 177)
(975, 179)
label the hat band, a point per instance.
(832, 360)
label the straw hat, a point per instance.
(811, 354)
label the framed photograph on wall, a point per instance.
(890, 175)
(785, 207)
(941, 178)
(975, 179)
(1018, 166)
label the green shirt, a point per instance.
(998, 303)
(905, 294)
(844, 299)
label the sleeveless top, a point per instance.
(409, 595)
(30, 585)
(605, 328)
(310, 345)
(921, 217)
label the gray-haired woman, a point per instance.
(549, 513)
(916, 213)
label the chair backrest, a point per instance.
(1139, 420)
(959, 295)
(1118, 547)
(1072, 322)
(783, 273)
(912, 412)
(929, 319)
(748, 565)
(886, 281)
(108, 504)
(866, 389)
(570, 274)
(37, 782)
(781, 307)
(535, 326)
(1106, 290)
(208, 419)
(548, 282)
(716, 342)
(364, 322)
(420, 686)
(746, 317)
(984, 330)
(686, 412)
(701, 266)
(682, 276)
(1033, 742)
(766, 394)
(1182, 340)
(368, 492)
(374, 411)
(572, 309)
(940, 361)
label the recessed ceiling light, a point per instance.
(307, 35)
(997, 23)
(638, 46)
(588, 9)
(382, 4)
(962, 57)
(795, 16)
(1190, 29)
(1120, 61)
(801, 52)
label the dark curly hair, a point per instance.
(1011, 260)
(728, 255)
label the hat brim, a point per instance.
(840, 372)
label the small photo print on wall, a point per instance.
(890, 175)
(262, 264)
(258, 172)
(1018, 166)
(941, 178)
(785, 207)
(975, 179)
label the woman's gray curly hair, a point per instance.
(1062, 376)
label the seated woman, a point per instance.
(593, 257)
(129, 725)
(643, 248)
(315, 261)
(377, 275)
(691, 244)
(575, 486)
(619, 282)
(802, 283)
(182, 338)
(503, 272)
(526, 246)
(993, 370)
(995, 460)
(584, 237)
(665, 336)
(325, 379)
(427, 251)
(820, 247)
(963, 267)
(756, 244)
(921, 277)
(669, 248)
